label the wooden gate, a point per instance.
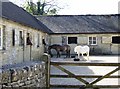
(80, 77)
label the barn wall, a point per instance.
(16, 54)
(104, 43)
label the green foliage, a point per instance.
(41, 7)
(30, 7)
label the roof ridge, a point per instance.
(77, 15)
(76, 24)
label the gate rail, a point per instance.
(80, 77)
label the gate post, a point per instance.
(46, 59)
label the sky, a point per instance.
(82, 7)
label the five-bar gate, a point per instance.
(80, 77)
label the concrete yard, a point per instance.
(86, 70)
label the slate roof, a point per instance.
(78, 24)
(62, 24)
(13, 12)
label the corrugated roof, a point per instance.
(13, 12)
(69, 24)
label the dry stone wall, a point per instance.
(28, 74)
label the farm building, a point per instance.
(21, 35)
(100, 32)
(24, 38)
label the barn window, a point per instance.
(29, 42)
(20, 38)
(38, 40)
(116, 39)
(92, 40)
(72, 40)
(1, 39)
(13, 37)
(43, 41)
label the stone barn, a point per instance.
(21, 35)
(100, 32)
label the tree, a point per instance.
(42, 7)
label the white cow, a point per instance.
(82, 50)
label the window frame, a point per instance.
(1, 37)
(114, 41)
(72, 42)
(92, 40)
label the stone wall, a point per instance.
(104, 43)
(28, 74)
(18, 53)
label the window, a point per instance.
(13, 37)
(1, 39)
(116, 39)
(72, 40)
(38, 40)
(92, 40)
(29, 42)
(43, 41)
(20, 38)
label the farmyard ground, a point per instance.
(87, 70)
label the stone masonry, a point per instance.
(28, 74)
